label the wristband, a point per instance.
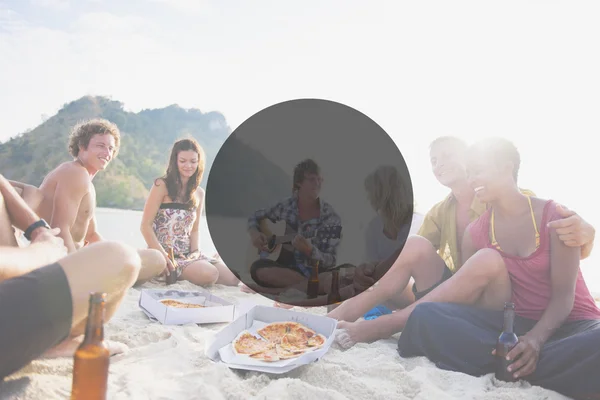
(34, 226)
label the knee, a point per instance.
(212, 274)
(417, 249)
(206, 274)
(153, 260)
(121, 255)
(491, 260)
(261, 273)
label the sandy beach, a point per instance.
(168, 362)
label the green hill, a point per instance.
(263, 184)
(147, 138)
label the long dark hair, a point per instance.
(172, 178)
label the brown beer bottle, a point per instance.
(334, 297)
(506, 341)
(172, 275)
(312, 289)
(92, 358)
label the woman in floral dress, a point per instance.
(172, 216)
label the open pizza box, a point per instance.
(215, 310)
(220, 349)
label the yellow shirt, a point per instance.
(439, 227)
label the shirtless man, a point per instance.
(67, 195)
(433, 256)
(50, 288)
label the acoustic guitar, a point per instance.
(279, 237)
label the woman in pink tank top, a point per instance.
(531, 274)
(539, 264)
(511, 255)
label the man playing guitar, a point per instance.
(309, 216)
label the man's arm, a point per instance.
(327, 253)
(574, 231)
(467, 247)
(32, 195)
(17, 261)
(431, 227)
(21, 216)
(70, 190)
(92, 235)
(273, 213)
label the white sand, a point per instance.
(168, 362)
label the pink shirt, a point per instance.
(530, 276)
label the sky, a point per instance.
(524, 70)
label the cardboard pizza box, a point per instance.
(219, 348)
(216, 310)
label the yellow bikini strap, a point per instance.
(537, 233)
(494, 242)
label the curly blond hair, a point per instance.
(84, 131)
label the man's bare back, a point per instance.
(69, 201)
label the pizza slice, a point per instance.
(248, 344)
(269, 355)
(286, 354)
(275, 331)
(316, 341)
(180, 304)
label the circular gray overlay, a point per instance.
(360, 188)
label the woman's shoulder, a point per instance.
(547, 209)
(160, 182)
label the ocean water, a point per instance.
(124, 225)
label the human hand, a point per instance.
(43, 231)
(525, 355)
(259, 240)
(50, 245)
(169, 266)
(572, 229)
(363, 276)
(43, 234)
(302, 244)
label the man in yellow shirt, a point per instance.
(432, 256)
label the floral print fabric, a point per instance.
(172, 226)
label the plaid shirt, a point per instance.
(324, 250)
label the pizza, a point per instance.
(247, 343)
(275, 331)
(180, 304)
(278, 341)
(316, 341)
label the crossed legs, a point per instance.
(202, 272)
(482, 281)
(418, 260)
(55, 299)
(108, 267)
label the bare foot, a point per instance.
(350, 333)
(282, 305)
(245, 288)
(68, 347)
